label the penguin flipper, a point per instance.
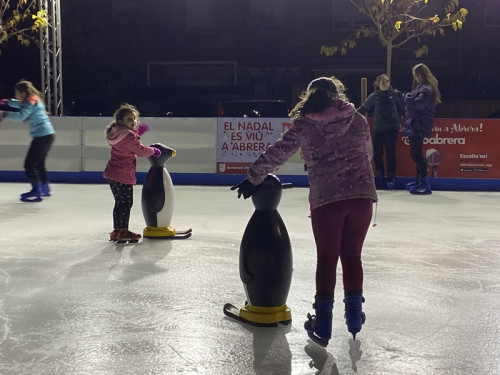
(245, 275)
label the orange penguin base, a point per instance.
(158, 232)
(266, 315)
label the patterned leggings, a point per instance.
(339, 230)
(124, 199)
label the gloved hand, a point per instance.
(157, 153)
(407, 132)
(143, 128)
(245, 188)
(407, 97)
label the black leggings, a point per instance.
(124, 199)
(34, 164)
(385, 140)
(417, 155)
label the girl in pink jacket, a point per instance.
(336, 144)
(123, 137)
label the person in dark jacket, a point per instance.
(419, 117)
(386, 104)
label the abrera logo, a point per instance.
(437, 140)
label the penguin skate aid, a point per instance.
(123, 135)
(158, 199)
(333, 137)
(266, 264)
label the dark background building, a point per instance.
(189, 55)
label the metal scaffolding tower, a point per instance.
(51, 57)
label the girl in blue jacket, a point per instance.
(28, 107)
(419, 117)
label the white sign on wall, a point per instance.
(241, 140)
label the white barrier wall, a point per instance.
(65, 154)
(80, 144)
(14, 141)
(194, 139)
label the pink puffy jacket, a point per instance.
(337, 150)
(125, 147)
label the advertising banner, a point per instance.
(241, 140)
(457, 148)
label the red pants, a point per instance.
(339, 230)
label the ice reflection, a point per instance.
(73, 303)
(321, 360)
(271, 352)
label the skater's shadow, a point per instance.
(126, 262)
(109, 257)
(143, 259)
(271, 352)
(22, 212)
(322, 361)
(355, 353)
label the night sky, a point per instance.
(107, 44)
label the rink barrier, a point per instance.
(80, 154)
(214, 179)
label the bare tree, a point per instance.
(396, 22)
(21, 20)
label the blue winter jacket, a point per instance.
(31, 111)
(420, 111)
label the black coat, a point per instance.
(387, 108)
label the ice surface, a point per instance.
(73, 303)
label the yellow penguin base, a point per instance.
(266, 315)
(158, 232)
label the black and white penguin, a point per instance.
(158, 196)
(266, 262)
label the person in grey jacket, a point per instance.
(386, 104)
(336, 145)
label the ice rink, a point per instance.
(71, 302)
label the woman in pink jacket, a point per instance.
(336, 145)
(123, 137)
